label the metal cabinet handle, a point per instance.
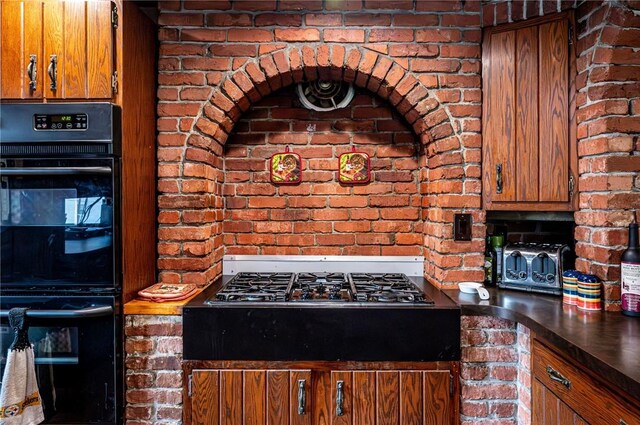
(622, 422)
(499, 178)
(339, 398)
(32, 72)
(301, 396)
(53, 72)
(554, 375)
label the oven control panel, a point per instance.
(60, 122)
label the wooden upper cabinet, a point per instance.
(21, 50)
(57, 49)
(529, 136)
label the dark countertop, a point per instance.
(608, 343)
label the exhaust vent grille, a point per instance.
(325, 95)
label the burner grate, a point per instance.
(256, 287)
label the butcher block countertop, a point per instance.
(168, 308)
(608, 343)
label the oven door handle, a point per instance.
(48, 171)
(82, 313)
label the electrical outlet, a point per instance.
(462, 224)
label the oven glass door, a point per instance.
(56, 223)
(74, 341)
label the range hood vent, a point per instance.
(325, 95)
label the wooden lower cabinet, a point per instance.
(564, 393)
(549, 409)
(322, 394)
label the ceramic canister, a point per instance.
(589, 292)
(570, 287)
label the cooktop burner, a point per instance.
(385, 288)
(257, 287)
(321, 287)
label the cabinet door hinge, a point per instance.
(189, 385)
(570, 34)
(114, 15)
(572, 184)
(114, 82)
(451, 384)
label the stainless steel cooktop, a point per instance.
(369, 288)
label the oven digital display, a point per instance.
(66, 122)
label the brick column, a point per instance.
(153, 362)
(608, 137)
(494, 371)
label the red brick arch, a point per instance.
(192, 242)
(377, 73)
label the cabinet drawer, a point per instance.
(584, 394)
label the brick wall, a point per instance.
(608, 137)
(494, 372)
(319, 216)
(217, 59)
(153, 362)
(498, 12)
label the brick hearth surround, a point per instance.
(422, 61)
(221, 63)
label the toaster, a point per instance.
(535, 267)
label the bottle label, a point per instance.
(488, 269)
(630, 286)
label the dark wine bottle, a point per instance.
(630, 274)
(489, 264)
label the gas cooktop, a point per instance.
(321, 316)
(370, 288)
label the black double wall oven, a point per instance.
(59, 255)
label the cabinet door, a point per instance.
(53, 27)
(259, 397)
(78, 48)
(572, 384)
(391, 397)
(21, 50)
(529, 152)
(547, 409)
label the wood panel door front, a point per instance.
(547, 409)
(251, 397)
(21, 50)
(529, 147)
(78, 48)
(56, 49)
(391, 397)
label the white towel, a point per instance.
(20, 402)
